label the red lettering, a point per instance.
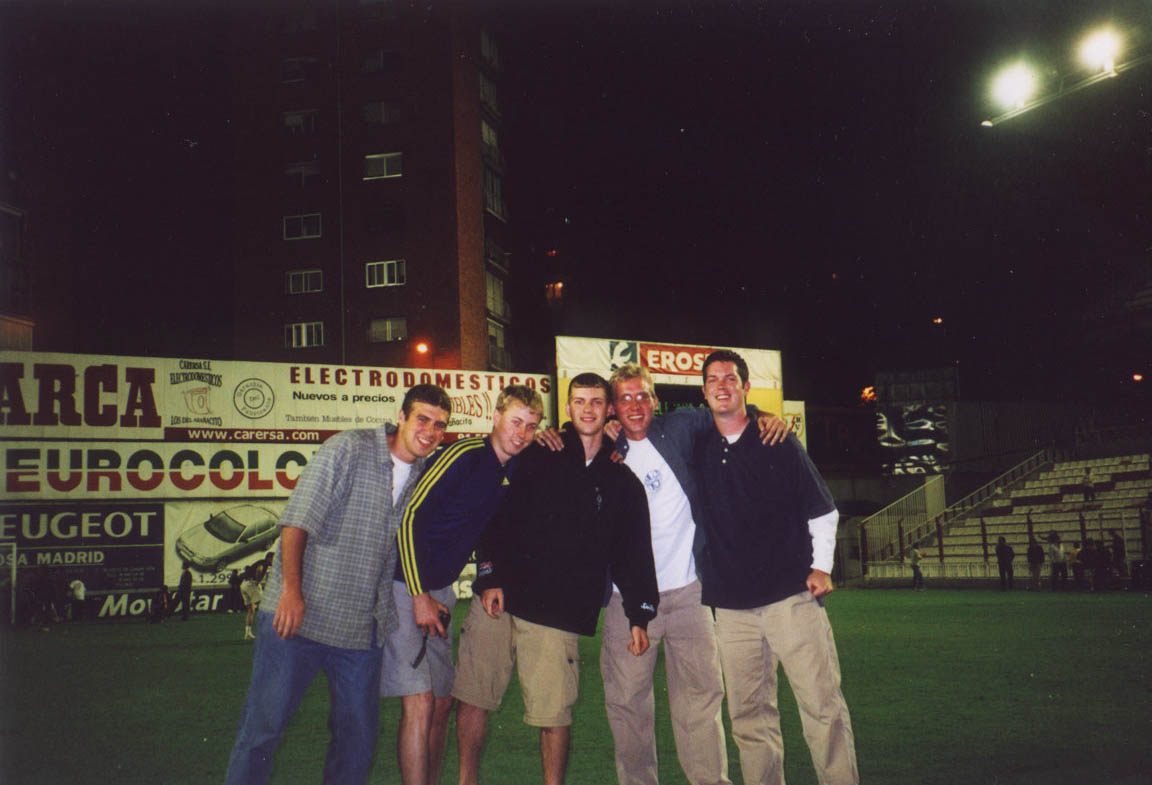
(308, 375)
(103, 465)
(11, 399)
(57, 388)
(140, 399)
(176, 467)
(409, 379)
(324, 375)
(155, 473)
(392, 377)
(254, 481)
(474, 381)
(341, 376)
(294, 374)
(98, 378)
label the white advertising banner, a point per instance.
(119, 469)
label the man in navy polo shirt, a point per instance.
(770, 526)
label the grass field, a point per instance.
(946, 686)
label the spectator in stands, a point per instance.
(1089, 488)
(914, 557)
(1035, 556)
(1056, 561)
(1004, 557)
(1077, 565)
(1119, 554)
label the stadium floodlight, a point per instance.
(1100, 50)
(1014, 86)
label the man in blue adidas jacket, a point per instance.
(452, 504)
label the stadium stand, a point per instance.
(1051, 499)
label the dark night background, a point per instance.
(811, 177)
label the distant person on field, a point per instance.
(77, 592)
(1004, 557)
(252, 594)
(914, 557)
(235, 598)
(1056, 561)
(1035, 556)
(1076, 564)
(184, 593)
(1119, 554)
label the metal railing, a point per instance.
(918, 516)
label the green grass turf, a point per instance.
(944, 686)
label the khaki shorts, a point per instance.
(546, 660)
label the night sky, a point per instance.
(811, 177)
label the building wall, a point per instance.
(425, 61)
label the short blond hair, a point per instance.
(523, 394)
(632, 371)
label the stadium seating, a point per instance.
(1054, 500)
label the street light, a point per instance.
(1100, 50)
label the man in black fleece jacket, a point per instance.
(572, 521)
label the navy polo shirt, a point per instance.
(756, 502)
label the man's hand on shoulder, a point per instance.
(492, 601)
(427, 613)
(550, 438)
(639, 642)
(612, 430)
(772, 428)
(820, 583)
(289, 614)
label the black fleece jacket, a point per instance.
(564, 531)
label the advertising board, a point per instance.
(118, 469)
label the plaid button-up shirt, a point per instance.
(343, 500)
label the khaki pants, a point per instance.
(795, 633)
(695, 690)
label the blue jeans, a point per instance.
(281, 672)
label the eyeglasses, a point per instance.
(640, 397)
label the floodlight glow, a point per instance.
(1014, 86)
(422, 348)
(1100, 50)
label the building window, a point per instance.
(488, 94)
(392, 328)
(303, 334)
(377, 167)
(497, 353)
(494, 194)
(554, 292)
(294, 70)
(383, 112)
(300, 123)
(380, 10)
(490, 140)
(303, 174)
(495, 254)
(494, 296)
(381, 60)
(390, 273)
(301, 227)
(304, 281)
(489, 51)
